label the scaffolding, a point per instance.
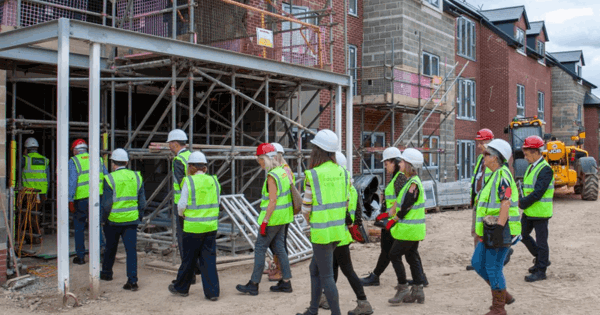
(242, 97)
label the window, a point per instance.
(371, 162)
(541, 105)
(579, 71)
(466, 99)
(465, 36)
(465, 154)
(540, 48)
(353, 7)
(292, 41)
(431, 160)
(353, 68)
(431, 64)
(520, 37)
(435, 3)
(520, 101)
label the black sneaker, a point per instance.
(106, 277)
(172, 290)
(79, 261)
(251, 288)
(212, 298)
(537, 276)
(469, 268)
(307, 312)
(131, 286)
(193, 280)
(371, 280)
(282, 286)
(533, 268)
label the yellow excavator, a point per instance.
(572, 165)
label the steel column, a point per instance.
(349, 125)
(338, 115)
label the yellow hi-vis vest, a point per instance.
(352, 204)
(543, 207)
(486, 173)
(34, 172)
(390, 193)
(488, 202)
(202, 212)
(412, 227)
(125, 185)
(284, 208)
(329, 183)
(183, 158)
(82, 165)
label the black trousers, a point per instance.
(409, 249)
(538, 247)
(342, 260)
(199, 247)
(384, 256)
(180, 235)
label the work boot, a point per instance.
(371, 280)
(193, 280)
(79, 261)
(533, 268)
(507, 259)
(402, 291)
(174, 291)
(282, 286)
(105, 277)
(131, 286)
(275, 270)
(469, 268)
(509, 298)
(536, 276)
(498, 302)
(363, 308)
(323, 302)
(251, 288)
(307, 312)
(416, 295)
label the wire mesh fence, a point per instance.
(379, 80)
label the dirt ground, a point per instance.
(572, 287)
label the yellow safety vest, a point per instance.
(202, 212)
(34, 172)
(82, 165)
(183, 158)
(284, 208)
(412, 227)
(125, 185)
(543, 207)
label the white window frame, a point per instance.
(520, 99)
(466, 100)
(353, 69)
(466, 38)
(431, 57)
(579, 69)
(295, 36)
(465, 157)
(353, 7)
(379, 172)
(435, 4)
(434, 158)
(541, 106)
(520, 37)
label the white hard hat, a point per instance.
(31, 143)
(197, 157)
(502, 147)
(326, 140)
(278, 147)
(177, 135)
(391, 153)
(414, 157)
(340, 158)
(119, 155)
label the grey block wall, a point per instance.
(567, 96)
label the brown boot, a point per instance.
(498, 302)
(416, 295)
(363, 308)
(275, 272)
(402, 291)
(509, 298)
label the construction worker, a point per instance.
(326, 193)
(123, 200)
(341, 254)
(79, 193)
(177, 140)
(538, 191)
(497, 222)
(36, 173)
(199, 208)
(276, 212)
(407, 227)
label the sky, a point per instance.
(571, 25)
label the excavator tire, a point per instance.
(590, 187)
(578, 188)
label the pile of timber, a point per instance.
(223, 262)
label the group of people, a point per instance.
(329, 205)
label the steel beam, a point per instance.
(49, 57)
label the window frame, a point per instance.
(468, 146)
(350, 9)
(295, 36)
(353, 73)
(464, 87)
(541, 111)
(431, 57)
(470, 42)
(518, 31)
(431, 166)
(433, 6)
(521, 93)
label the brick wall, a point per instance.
(591, 121)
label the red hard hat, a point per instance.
(265, 148)
(533, 142)
(484, 134)
(78, 143)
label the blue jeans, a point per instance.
(199, 247)
(276, 237)
(321, 278)
(80, 218)
(489, 264)
(129, 235)
(538, 247)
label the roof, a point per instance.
(591, 99)
(510, 14)
(569, 56)
(536, 28)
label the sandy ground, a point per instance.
(572, 287)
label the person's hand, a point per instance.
(391, 224)
(263, 228)
(72, 207)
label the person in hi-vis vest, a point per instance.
(36, 170)
(536, 202)
(123, 201)
(199, 209)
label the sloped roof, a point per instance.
(510, 14)
(536, 28)
(591, 99)
(568, 56)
